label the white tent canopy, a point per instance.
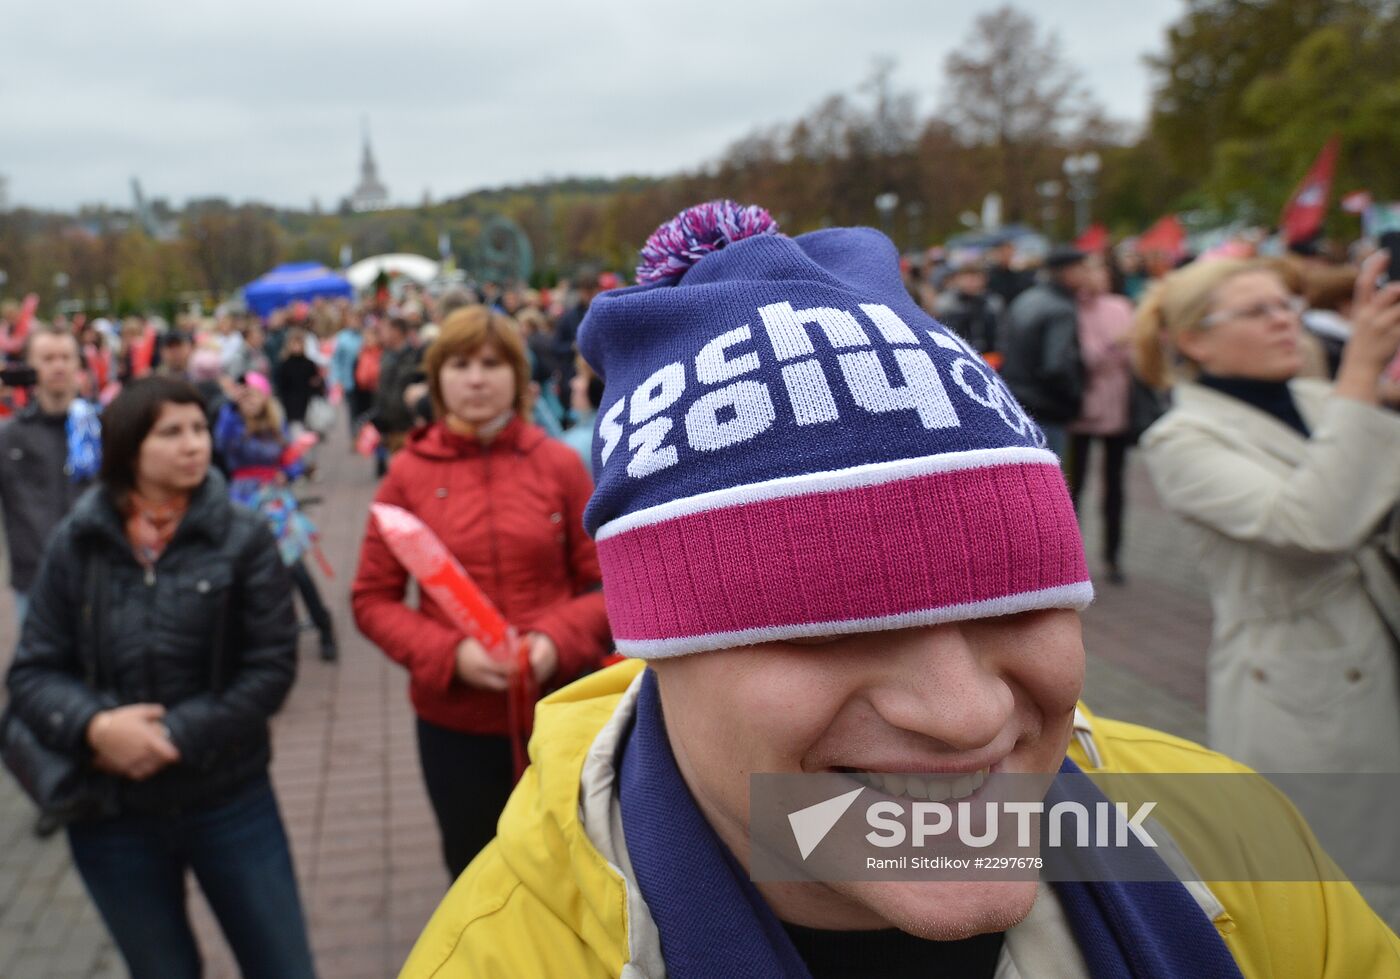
(363, 273)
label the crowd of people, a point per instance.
(1064, 340)
(651, 471)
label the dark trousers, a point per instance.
(359, 403)
(134, 868)
(1115, 454)
(469, 778)
(1055, 438)
(311, 597)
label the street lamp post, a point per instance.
(885, 204)
(1081, 169)
(1049, 191)
(914, 212)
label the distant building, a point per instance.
(370, 195)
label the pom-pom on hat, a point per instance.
(699, 231)
(789, 446)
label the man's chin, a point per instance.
(944, 911)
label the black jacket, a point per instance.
(566, 345)
(297, 379)
(1041, 349)
(209, 632)
(397, 370)
(35, 491)
(977, 319)
(1008, 283)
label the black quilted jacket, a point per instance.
(209, 632)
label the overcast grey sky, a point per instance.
(262, 99)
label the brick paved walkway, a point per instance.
(347, 776)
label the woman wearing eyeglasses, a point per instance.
(1289, 488)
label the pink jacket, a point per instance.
(1105, 324)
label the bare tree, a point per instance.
(893, 122)
(1009, 89)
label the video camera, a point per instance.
(18, 376)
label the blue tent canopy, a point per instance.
(294, 281)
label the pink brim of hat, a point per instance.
(892, 545)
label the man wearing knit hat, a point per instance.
(834, 543)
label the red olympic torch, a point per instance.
(440, 574)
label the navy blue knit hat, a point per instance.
(789, 446)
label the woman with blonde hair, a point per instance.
(507, 501)
(1287, 487)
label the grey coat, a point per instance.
(35, 491)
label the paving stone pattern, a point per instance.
(346, 771)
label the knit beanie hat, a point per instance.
(258, 382)
(789, 446)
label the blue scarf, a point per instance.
(84, 433)
(713, 921)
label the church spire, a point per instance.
(370, 195)
(367, 168)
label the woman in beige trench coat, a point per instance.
(1289, 489)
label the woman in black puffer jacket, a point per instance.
(187, 615)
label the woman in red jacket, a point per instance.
(508, 502)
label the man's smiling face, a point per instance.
(953, 700)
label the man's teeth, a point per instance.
(931, 788)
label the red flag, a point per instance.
(1094, 239)
(143, 352)
(299, 447)
(26, 315)
(368, 440)
(1165, 236)
(1303, 214)
(14, 343)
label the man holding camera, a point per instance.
(36, 490)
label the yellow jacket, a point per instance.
(553, 894)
